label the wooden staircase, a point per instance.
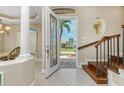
(102, 71)
(107, 57)
(91, 70)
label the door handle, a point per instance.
(48, 51)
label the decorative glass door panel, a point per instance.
(53, 41)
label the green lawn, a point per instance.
(67, 50)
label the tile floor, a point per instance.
(64, 77)
(67, 63)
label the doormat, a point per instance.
(67, 63)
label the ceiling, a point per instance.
(12, 14)
(54, 7)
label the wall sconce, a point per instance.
(4, 28)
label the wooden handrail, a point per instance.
(87, 45)
(113, 36)
(102, 40)
(98, 42)
(106, 38)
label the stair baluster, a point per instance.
(118, 51)
(101, 64)
(97, 61)
(104, 52)
(108, 52)
(100, 54)
(111, 51)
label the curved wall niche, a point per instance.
(99, 26)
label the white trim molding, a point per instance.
(2, 79)
(33, 83)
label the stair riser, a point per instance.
(90, 66)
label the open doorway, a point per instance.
(68, 39)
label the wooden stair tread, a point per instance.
(94, 73)
(99, 67)
(115, 70)
(98, 80)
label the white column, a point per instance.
(25, 23)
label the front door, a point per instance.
(52, 41)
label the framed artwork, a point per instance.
(53, 41)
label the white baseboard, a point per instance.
(83, 63)
(33, 83)
(79, 66)
(87, 60)
(90, 60)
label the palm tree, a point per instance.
(71, 42)
(64, 24)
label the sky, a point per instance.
(72, 34)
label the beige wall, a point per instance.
(113, 17)
(10, 41)
(2, 42)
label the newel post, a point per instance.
(123, 41)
